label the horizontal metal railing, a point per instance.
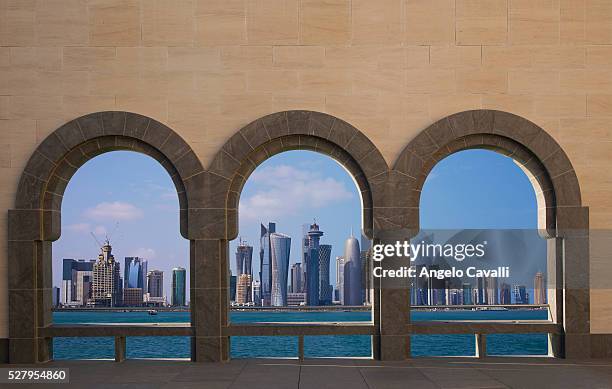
(478, 328)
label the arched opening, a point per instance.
(36, 222)
(481, 197)
(128, 200)
(300, 233)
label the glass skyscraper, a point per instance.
(280, 249)
(312, 265)
(179, 281)
(353, 294)
(325, 288)
(265, 262)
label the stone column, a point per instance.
(394, 308)
(209, 300)
(572, 226)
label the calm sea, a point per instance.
(314, 346)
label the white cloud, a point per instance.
(116, 210)
(79, 227)
(142, 252)
(287, 190)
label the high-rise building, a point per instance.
(436, 289)
(179, 282)
(491, 291)
(539, 290)
(243, 289)
(55, 296)
(296, 278)
(312, 265)
(481, 291)
(519, 293)
(256, 286)
(244, 259)
(325, 288)
(106, 289)
(340, 279)
(296, 299)
(353, 294)
(265, 262)
(155, 283)
(76, 284)
(135, 273)
(505, 296)
(366, 271)
(467, 293)
(233, 282)
(280, 248)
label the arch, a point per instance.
(35, 221)
(562, 217)
(293, 130)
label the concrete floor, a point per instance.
(340, 374)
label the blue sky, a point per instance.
(132, 194)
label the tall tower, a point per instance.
(280, 248)
(244, 259)
(340, 279)
(539, 290)
(353, 294)
(106, 289)
(325, 289)
(179, 281)
(296, 278)
(265, 262)
(312, 269)
(155, 283)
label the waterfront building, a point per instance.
(296, 278)
(455, 297)
(256, 291)
(106, 288)
(436, 289)
(480, 289)
(466, 288)
(244, 259)
(243, 289)
(280, 248)
(155, 283)
(55, 296)
(491, 291)
(132, 297)
(366, 271)
(135, 273)
(312, 265)
(76, 282)
(296, 299)
(304, 252)
(265, 262)
(233, 284)
(340, 279)
(505, 296)
(520, 295)
(352, 273)
(325, 288)
(179, 281)
(539, 289)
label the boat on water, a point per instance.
(152, 312)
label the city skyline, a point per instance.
(339, 215)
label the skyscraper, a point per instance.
(106, 289)
(179, 281)
(325, 288)
(340, 278)
(352, 273)
(467, 293)
(519, 293)
(491, 291)
(265, 262)
(256, 292)
(243, 289)
(244, 259)
(135, 273)
(296, 278)
(76, 286)
(505, 296)
(155, 283)
(312, 265)
(366, 268)
(539, 290)
(280, 248)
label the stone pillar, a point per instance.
(209, 300)
(394, 309)
(572, 226)
(29, 287)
